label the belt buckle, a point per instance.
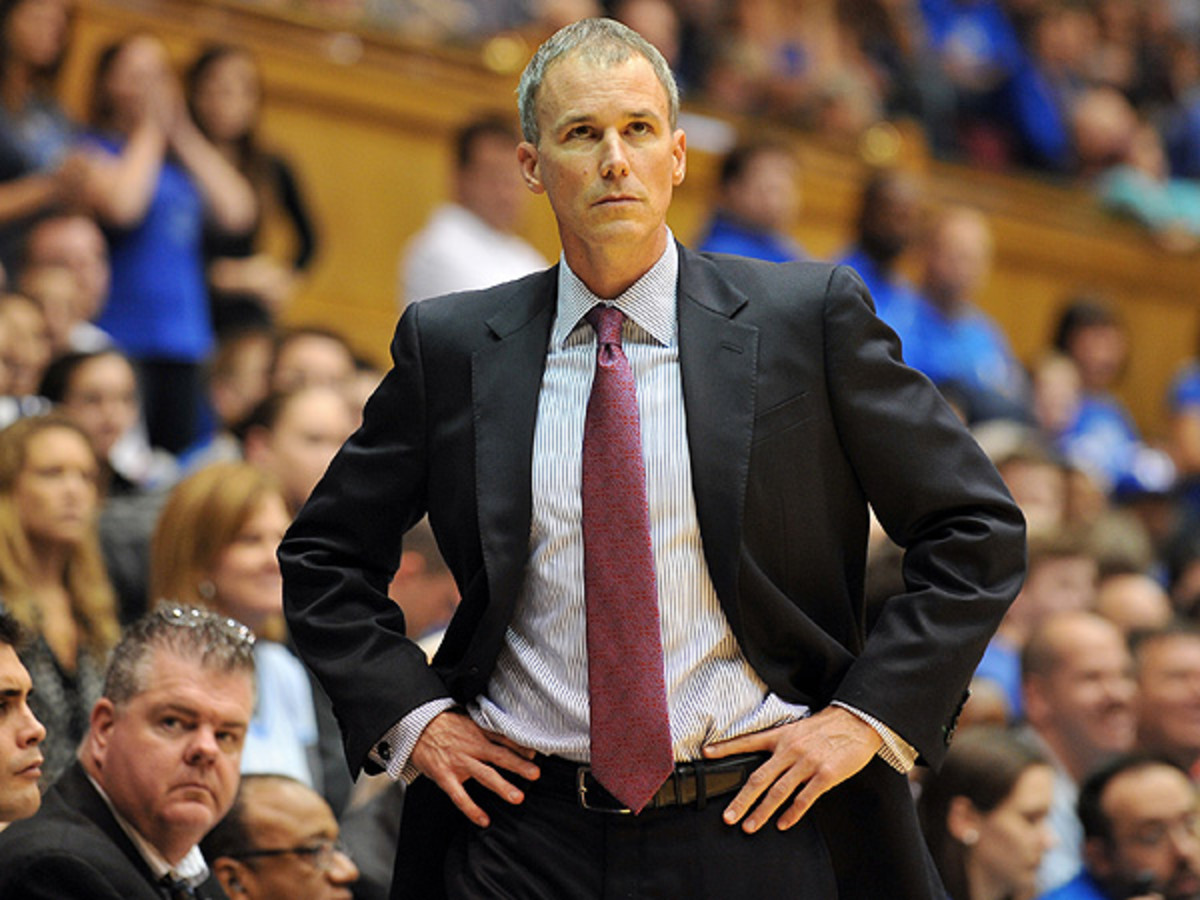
(581, 790)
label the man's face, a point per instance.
(313, 360)
(959, 257)
(77, 244)
(305, 438)
(1169, 696)
(286, 815)
(1153, 815)
(168, 758)
(490, 183)
(606, 156)
(20, 734)
(1088, 698)
(767, 193)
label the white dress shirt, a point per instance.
(458, 251)
(538, 692)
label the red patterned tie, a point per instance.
(630, 732)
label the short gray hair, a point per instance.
(215, 642)
(603, 42)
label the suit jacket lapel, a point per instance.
(506, 380)
(77, 792)
(718, 360)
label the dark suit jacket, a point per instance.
(73, 849)
(799, 412)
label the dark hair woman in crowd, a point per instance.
(984, 815)
(157, 182)
(38, 167)
(248, 285)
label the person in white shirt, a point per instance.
(471, 242)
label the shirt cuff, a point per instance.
(895, 751)
(392, 751)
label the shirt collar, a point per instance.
(192, 868)
(649, 301)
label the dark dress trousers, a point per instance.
(73, 849)
(799, 413)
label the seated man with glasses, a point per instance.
(279, 842)
(1141, 825)
(156, 770)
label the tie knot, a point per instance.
(606, 320)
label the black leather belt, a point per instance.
(691, 784)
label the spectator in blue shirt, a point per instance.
(889, 222)
(953, 341)
(1139, 817)
(1103, 439)
(758, 203)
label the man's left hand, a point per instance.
(814, 755)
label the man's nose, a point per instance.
(202, 746)
(613, 163)
(342, 870)
(32, 731)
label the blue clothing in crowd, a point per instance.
(970, 351)
(1104, 442)
(1001, 665)
(158, 303)
(727, 235)
(1152, 202)
(895, 298)
(1185, 388)
(1081, 887)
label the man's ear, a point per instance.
(679, 151)
(101, 721)
(236, 878)
(1033, 696)
(527, 157)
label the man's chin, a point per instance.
(1183, 887)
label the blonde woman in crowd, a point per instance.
(52, 579)
(215, 546)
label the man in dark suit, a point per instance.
(771, 405)
(157, 769)
(20, 731)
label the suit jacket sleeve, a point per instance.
(342, 551)
(937, 496)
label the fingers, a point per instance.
(810, 756)
(773, 782)
(459, 797)
(453, 750)
(747, 743)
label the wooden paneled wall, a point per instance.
(367, 121)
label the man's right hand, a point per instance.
(453, 749)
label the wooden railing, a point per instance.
(367, 119)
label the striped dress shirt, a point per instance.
(538, 692)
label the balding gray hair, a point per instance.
(601, 42)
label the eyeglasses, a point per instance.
(1154, 834)
(196, 617)
(319, 854)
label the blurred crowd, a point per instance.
(160, 427)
